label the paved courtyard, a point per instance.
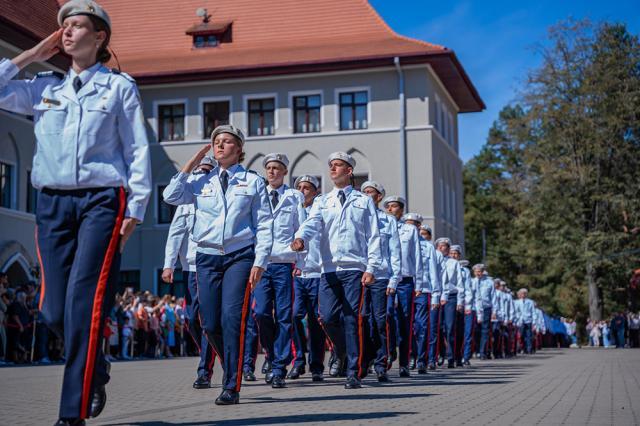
(573, 386)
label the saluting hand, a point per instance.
(297, 244)
(196, 159)
(127, 228)
(367, 278)
(255, 276)
(41, 52)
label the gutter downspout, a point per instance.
(403, 132)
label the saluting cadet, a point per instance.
(423, 304)
(180, 246)
(233, 230)
(350, 253)
(456, 253)
(306, 283)
(452, 298)
(485, 305)
(93, 177)
(273, 294)
(410, 285)
(525, 309)
(385, 284)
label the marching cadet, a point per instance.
(470, 316)
(306, 282)
(435, 313)
(498, 321)
(485, 304)
(385, 284)
(508, 320)
(180, 245)
(350, 253)
(452, 298)
(410, 285)
(425, 302)
(525, 310)
(233, 231)
(93, 176)
(273, 294)
(539, 327)
(456, 253)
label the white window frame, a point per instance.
(204, 100)
(155, 121)
(336, 99)
(291, 107)
(245, 108)
(14, 185)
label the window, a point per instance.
(306, 114)
(358, 180)
(215, 114)
(353, 110)
(261, 117)
(171, 122)
(6, 185)
(128, 279)
(442, 200)
(179, 286)
(32, 195)
(165, 211)
(200, 41)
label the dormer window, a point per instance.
(209, 33)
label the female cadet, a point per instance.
(93, 174)
(350, 250)
(232, 229)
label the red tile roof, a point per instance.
(269, 37)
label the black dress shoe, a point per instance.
(278, 382)
(404, 372)
(266, 366)
(98, 401)
(451, 364)
(458, 363)
(70, 422)
(422, 369)
(296, 372)
(268, 378)
(352, 383)
(432, 366)
(317, 377)
(228, 397)
(337, 369)
(202, 382)
(412, 363)
(382, 377)
(249, 376)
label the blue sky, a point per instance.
(495, 42)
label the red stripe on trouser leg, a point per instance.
(438, 334)
(294, 352)
(388, 360)
(413, 303)
(243, 329)
(42, 275)
(96, 314)
(360, 333)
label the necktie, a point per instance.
(224, 181)
(77, 84)
(274, 198)
(341, 197)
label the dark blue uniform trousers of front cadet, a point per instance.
(207, 356)
(421, 328)
(306, 304)
(434, 331)
(484, 332)
(374, 313)
(449, 314)
(525, 332)
(223, 292)
(405, 312)
(274, 314)
(77, 236)
(341, 292)
(251, 341)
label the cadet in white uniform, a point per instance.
(452, 299)
(485, 305)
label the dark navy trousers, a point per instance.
(405, 293)
(469, 328)
(374, 313)
(77, 236)
(223, 292)
(251, 339)
(459, 335)
(484, 332)
(525, 332)
(421, 328)
(207, 356)
(434, 332)
(449, 317)
(341, 293)
(274, 314)
(306, 304)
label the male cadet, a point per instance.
(539, 327)
(385, 284)
(456, 253)
(485, 303)
(411, 283)
(347, 222)
(452, 298)
(470, 316)
(433, 270)
(180, 245)
(509, 316)
(497, 322)
(273, 294)
(524, 308)
(306, 282)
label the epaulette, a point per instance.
(116, 71)
(264, 179)
(43, 74)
